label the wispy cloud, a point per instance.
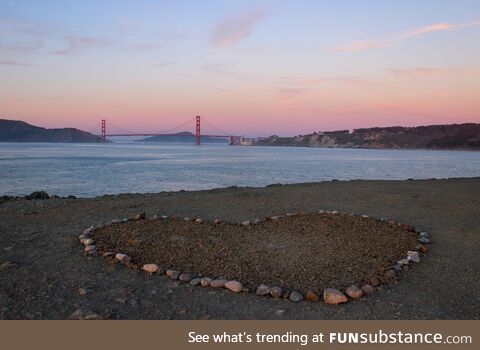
(77, 44)
(13, 63)
(423, 72)
(362, 45)
(162, 65)
(232, 30)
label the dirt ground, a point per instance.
(42, 266)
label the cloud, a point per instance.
(161, 65)
(362, 45)
(289, 93)
(78, 44)
(12, 63)
(423, 72)
(232, 30)
(314, 81)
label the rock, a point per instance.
(115, 221)
(82, 237)
(397, 268)
(38, 195)
(217, 222)
(88, 231)
(407, 227)
(122, 258)
(365, 216)
(321, 212)
(258, 221)
(389, 275)
(186, 277)
(187, 219)
(140, 216)
(124, 220)
(424, 240)
(108, 254)
(310, 296)
(80, 314)
(404, 261)
(220, 283)
(354, 292)
(155, 217)
(422, 248)
(276, 292)
(6, 265)
(296, 296)
(90, 249)
(164, 217)
(375, 281)
(234, 286)
(206, 281)
(245, 290)
(367, 289)
(274, 218)
(334, 212)
(82, 291)
(413, 256)
(173, 274)
(263, 290)
(87, 241)
(198, 221)
(334, 296)
(246, 223)
(424, 234)
(150, 268)
(195, 281)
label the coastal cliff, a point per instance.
(19, 131)
(456, 136)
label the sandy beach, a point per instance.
(43, 266)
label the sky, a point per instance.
(251, 68)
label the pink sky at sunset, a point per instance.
(249, 68)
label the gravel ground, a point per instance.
(42, 266)
(308, 252)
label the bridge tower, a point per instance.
(197, 131)
(104, 131)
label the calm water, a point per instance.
(90, 169)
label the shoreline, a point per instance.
(44, 268)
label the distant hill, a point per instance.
(19, 131)
(455, 136)
(183, 136)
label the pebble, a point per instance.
(375, 281)
(414, 256)
(173, 274)
(246, 223)
(205, 281)
(80, 314)
(397, 268)
(139, 216)
(276, 292)
(422, 248)
(187, 219)
(424, 234)
(389, 275)
(82, 291)
(155, 217)
(6, 265)
(258, 221)
(275, 218)
(310, 296)
(108, 254)
(186, 277)
(296, 296)
(367, 289)
(334, 212)
(404, 261)
(198, 221)
(321, 212)
(354, 292)
(90, 249)
(217, 221)
(123, 258)
(115, 221)
(88, 230)
(87, 241)
(263, 290)
(334, 296)
(82, 237)
(234, 286)
(195, 281)
(424, 240)
(218, 283)
(150, 268)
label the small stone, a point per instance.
(389, 275)
(88, 230)
(296, 296)
(258, 221)
(310, 296)
(186, 277)
(245, 290)
(246, 223)
(275, 218)
(115, 221)
(354, 292)
(321, 212)
(83, 315)
(404, 262)
(150, 268)
(139, 216)
(424, 234)
(164, 217)
(276, 292)
(375, 281)
(82, 291)
(173, 274)
(422, 248)
(290, 214)
(198, 221)
(195, 281)
(365, 216)
(108, 254)
(187, 219)
(6, 265)
(279, 312)
(424, 240)
(263, 290)
(407, 227)
(122, 258)
(334, 212)
(334, 296)
(206, 281)
(217, 222)
(87, 241)
(367, 289)
(234, 286)
(124, 220)
(82, 237)
(397, 268)
(413, 256)
(90, 248)
(286, 295)
(218, 283)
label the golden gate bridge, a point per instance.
(232, 139)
